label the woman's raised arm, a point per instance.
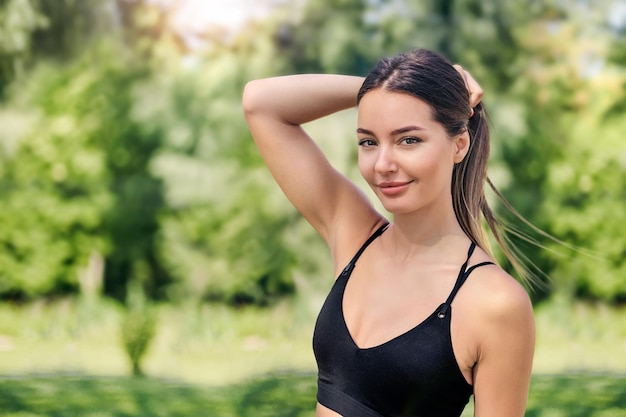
(274, 109)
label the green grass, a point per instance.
(577, 395)
(277, 395)
(206, 344)
(77, 396)
(216, 345)
(65, 358)
(580, 337)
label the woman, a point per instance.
(386, 341)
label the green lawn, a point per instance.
(278, 395)
(65, 359)
(78, 396)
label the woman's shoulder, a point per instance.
(501, 297)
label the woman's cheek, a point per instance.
(365, 166)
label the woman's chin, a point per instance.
(397, 209)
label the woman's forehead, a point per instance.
(387, 109)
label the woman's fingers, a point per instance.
(474, 89)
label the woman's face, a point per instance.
(404, 155)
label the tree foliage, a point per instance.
(77, 181)
(136, 151)
(18, 20)
(564, 161)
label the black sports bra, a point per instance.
(414, 374)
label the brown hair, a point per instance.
(430, 77)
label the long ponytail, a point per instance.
(472, 209)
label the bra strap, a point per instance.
(464, 273)
(348, 269)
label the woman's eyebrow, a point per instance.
(393, 132)
(364, 131)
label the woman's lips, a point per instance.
(393, 188)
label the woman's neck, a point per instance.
(418, 234)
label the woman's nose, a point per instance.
(385, 161)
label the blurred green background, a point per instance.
(149, 266)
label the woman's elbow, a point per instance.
(251, 97)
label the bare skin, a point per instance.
(407, 159)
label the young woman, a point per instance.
(425, 318)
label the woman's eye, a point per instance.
(367, 142)
(411, 140)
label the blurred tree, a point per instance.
(617, 55)
(588, 186)
(53, 185)
(78, 181)
(144, 132)
(128, 146)
(141, 153)
(18, 20)
(72, 26)
(349, 36)
(226, 234)
(327, 36)
(138, 327)
(563, 160)
(62, 30)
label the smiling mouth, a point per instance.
(393, 188)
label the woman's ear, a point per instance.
(461, 146)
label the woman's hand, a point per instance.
(474, 89)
